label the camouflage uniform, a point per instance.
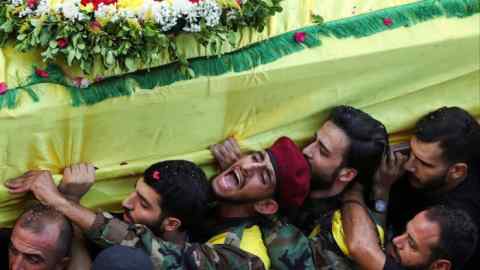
(290, 249)
(108, 231)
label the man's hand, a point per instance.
(77, 180)
(390, 170)
(40, 183)
(226, 153)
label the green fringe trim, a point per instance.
(254, 55)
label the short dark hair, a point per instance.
(183, 187)
(368, 141)
(38, 216)
(458, 235)
(456, 130)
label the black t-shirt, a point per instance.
(4, 245)
(391, 264)
(406, 202)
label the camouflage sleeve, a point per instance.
(288, 247)
(108, 231)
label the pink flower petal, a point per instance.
(300, 37)
(3, 88)
(387, 21)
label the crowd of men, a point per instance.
(346, 201)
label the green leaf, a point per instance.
(53, 44)
(317, 19)
(110, 60)
(81, 46)
(7, 26)
(70, 56)
(130, 64)
(22, 37)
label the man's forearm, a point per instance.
(81, 216)
(361, 237)
(382, 194)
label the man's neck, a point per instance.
(334, 190)
(228, 210)
(176, 237)
(451, 185)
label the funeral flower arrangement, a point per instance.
(124, 35)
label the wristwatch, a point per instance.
(380, 206)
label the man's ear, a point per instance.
(458, 170)
(441, 264)
(266, 207)
(64, 264)
(171, 224)
(347, 174)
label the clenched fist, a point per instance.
(226, 153)
(77, 180)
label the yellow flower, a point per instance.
(54, 3)
(88, 8)
(129, 4)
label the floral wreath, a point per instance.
(126, 35)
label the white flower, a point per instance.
(42, 8)
(105, 11)
(164, 15)
(71, 10)
(207, 10)
(16, 3)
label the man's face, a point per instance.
(142, 206)
(34, 251)
(413, 249)
(325, 154)
(426, 166)
(250, 179)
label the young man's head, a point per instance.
(264, 180)
(439, 238)
(348, 146)
(172, 195)
(41, 240)
(445, 143)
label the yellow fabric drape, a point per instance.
(397, 76)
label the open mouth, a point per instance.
(126, 217)
(233, 179)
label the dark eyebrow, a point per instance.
(422, 161)
(143, 198)
(323, 146)
(414, 243)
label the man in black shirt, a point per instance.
(439, 238)
(442, 169)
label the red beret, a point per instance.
(292, 171)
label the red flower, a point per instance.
(300, 37)
(62, 42)
(32, 3)
(194, 1)
(239, 2)
(41, 73)
(3, 88)
(387, 21)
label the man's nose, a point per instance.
(16, 263)
(307, 150)
(408, 166)
(398, 242)
(127, 203)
